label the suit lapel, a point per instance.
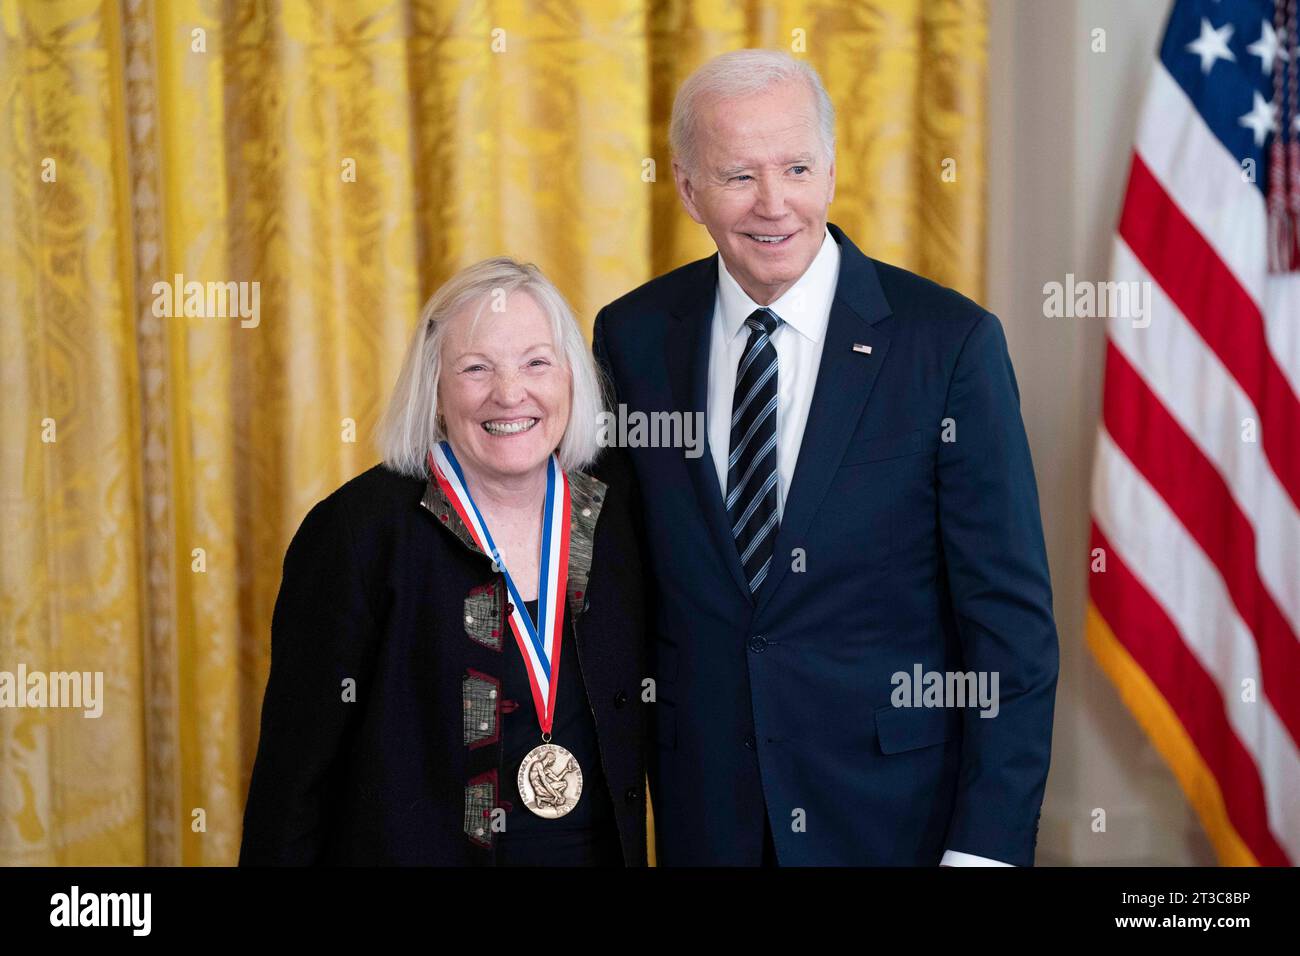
(688, 371)
(845, 378)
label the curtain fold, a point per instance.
(334, 163)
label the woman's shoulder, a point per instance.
(368, 500)
(381, 488)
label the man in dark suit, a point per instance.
(858, 547)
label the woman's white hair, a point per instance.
(411, 425)
(742, 73)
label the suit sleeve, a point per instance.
(618, 461)
(996, 566)
(600, 349)
(321, 631)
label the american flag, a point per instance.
(1194, 605)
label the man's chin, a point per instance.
(775, 280)
(773, 270)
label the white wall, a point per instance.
(1062, 119)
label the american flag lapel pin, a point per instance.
(864, 349)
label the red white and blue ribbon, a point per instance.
(538, 643)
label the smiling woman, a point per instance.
(488, 308)
(504, 392)
(464, 617)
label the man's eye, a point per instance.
(736, 179)
(799, 169)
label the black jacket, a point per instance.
(387, 632)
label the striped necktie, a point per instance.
(751, 466)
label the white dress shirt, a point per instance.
(805, 310)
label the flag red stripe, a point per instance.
(1141, 625)
(1205, 290)
(1203, 503)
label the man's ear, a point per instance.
(686, 191)
(830, 175)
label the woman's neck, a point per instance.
(512, 507)
(507, 494)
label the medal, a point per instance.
(550, 780)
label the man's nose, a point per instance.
(771, 197)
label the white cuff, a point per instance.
(954, 858)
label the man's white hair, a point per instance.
(742, 73)
(410, 425)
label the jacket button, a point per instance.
(758, 643)
(620, 699)
(631, 795)
(749, 742)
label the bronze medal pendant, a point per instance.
(550, 781)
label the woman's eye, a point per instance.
(472, 368)
(538, 363)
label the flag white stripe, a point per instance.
(1282, 327)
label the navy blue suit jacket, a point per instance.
(910, 536)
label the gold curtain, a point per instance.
(347, 157)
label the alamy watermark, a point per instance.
(1098, 300)
(946, 689)
(133, 911)
(208, 300)
(624, 429)
(77, 690)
